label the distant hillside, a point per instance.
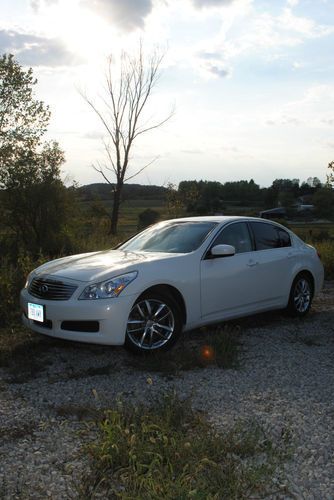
(103, 191)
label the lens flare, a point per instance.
(207, 353)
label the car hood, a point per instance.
(98, 266)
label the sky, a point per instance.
(250, 83)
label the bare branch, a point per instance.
(99, 114)
(127, 93)
(152, 127)
(141, 169)
(100, 171)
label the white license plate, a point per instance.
(36, 312)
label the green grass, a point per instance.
(129, 212)
(326, 250)
(170, 451)
(321, 236)
(313, 231)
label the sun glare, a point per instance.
(85, 33)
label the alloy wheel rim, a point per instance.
(151, 324)
(302, 295)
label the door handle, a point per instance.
(252, 263)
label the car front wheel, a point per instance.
(154, 323)
(301, 295)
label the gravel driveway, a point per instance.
(284, 383)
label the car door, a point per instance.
(228, 284)
(274, 259)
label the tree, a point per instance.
(323, 201)
(36, 203)
(34, 199)
(174, 204)
(121, 112)
(23, 119)
(330, 176)
(189, 193)
(287, 200)
(314, 182)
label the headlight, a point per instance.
(28, 280)
(108, 289)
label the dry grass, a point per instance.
(170, 451)
(326, 250)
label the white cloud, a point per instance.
(244, 30)
(302, 25)
(36, 4)
(314, 110)
(217, 70)
(211, 3)
(265, 34)
(212, 64)
(128, 14)
(298, 65)
(34, 50)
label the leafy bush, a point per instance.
(322, 235)
(12, 279)
(326, 250)
(147, 217)
(170, 451)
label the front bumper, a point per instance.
(111, 315)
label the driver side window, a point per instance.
(237, 235)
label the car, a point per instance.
(174, 276)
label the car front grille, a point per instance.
(50, 289)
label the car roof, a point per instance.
(215, 218)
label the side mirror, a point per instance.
(222, 251)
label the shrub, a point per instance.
(326, 250)
(12, 279)
(147, 217)
(322, 235)
(170, 451)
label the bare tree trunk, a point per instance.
(121, 114)
(115, 209)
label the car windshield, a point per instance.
(174, 237)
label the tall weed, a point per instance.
(170, 451)
(326, 251)
(12, 279)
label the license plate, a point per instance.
(36, 312)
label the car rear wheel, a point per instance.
(154, 323)
(301, 295)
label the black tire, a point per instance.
(301, 295)
(154, 323)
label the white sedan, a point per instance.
(174, 276)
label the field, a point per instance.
(131, 209)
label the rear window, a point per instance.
(284, 238)
(268, 236)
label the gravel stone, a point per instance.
(284, 384)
